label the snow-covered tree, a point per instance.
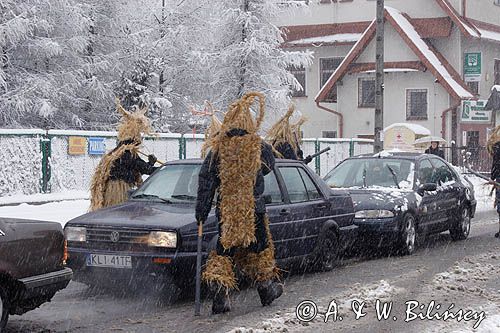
(246, 53)
(42, 43)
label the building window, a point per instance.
(473, 87)
(497, 70)
(327, 67)
(416, 104)
(366, 93)
(496, 2)
(325, 1)
(329, 134)
(300, 76)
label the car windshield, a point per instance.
(178, 182)
(372, 172)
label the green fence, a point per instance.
(38, 161)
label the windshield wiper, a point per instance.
(153, 196)
(394, 177)
(183, 197)
(364, 177)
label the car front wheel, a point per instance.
(408, 235)
(461, 228)
(328, 253)
(4, 311)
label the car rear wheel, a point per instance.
(408, 235)
(4, 309)
(327, 256)
(461, 228)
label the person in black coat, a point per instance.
(234, 168)
(284, 138)
(434, 149)
(121, 169)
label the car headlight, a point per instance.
(162, 239)
(373, 214)
(75, 234)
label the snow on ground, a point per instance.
(44, 197)
(288, 322)
(475, 281)
(61, 211)
(482, 192)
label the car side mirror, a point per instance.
(130, 192)
(268, 199)
(427, 187)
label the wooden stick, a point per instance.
(157, 161)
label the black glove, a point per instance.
(152, 159)
(308, 159)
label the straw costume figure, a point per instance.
(284, 137)
(235, 167)
(494, 150)
(122, 168)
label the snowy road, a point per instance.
(466, 273)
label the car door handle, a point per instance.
(284, 211)
(321, 206)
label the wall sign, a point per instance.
(472, 67)
(97, 146)
(473, 112)
(77, 145)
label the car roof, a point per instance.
(398, 155)
(200, 161)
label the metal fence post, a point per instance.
(317, 159)
(45, 148)
(351, 148)
(182, 147)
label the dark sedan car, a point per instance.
(32, 270)
(154, 234)
(398, 196)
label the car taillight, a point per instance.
(65, 252)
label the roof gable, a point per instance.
(432, 60)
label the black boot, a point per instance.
(497, 235)
(269, 291)
(221, 303)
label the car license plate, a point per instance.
(109, 260)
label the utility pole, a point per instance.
(379, 79)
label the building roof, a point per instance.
(430, 57)
(469, 27)
(350, 32)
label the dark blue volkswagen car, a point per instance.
(154, 234)
(398, 196)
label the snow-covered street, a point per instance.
(463, 273)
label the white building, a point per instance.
(439, 54)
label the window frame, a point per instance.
(333, 96)
(433, 161)
(299, 70)
(361, 104)
(303, 171)
(496, 68)
(284, 188)
(410, 117)
(279, 180)
(419, 170)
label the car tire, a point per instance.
(461, 228)
(408, 235)
(4, 309)
(327, 255)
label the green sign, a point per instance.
(472, 67)
(473, 112)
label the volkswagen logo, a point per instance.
(115, 236)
